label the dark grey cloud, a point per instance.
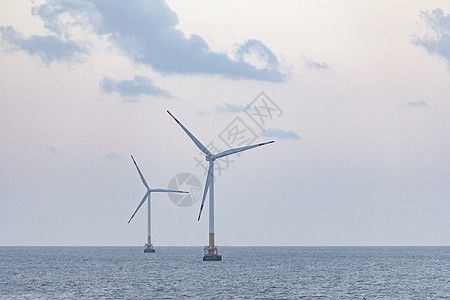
(147, 32)
(309, 63)
(113, 156)
(48, 48)
(130, 90)
(280, 134)
(439, 42)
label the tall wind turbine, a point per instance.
(148, 246)
(211, 252)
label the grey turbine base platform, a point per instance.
(149, 248)
(212, 257)
(211, 254)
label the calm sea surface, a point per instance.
(245, 272)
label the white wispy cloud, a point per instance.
(113, 156)
(418, 103)
(309, 63)
(280, 134)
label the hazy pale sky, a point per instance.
(362, 152)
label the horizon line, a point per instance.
(259, 246)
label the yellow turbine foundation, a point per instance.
(211, 239)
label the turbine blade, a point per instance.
(140, 173)
(207, 184)
(139, 206)
(193, 138)
(240, 149)
(168, 191)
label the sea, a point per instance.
(243, 273)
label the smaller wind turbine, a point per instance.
(147, 196)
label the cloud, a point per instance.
(53, 150)
(146, 31)
(420, 103)
(113, 156)
(309, 63)
(224, 108)
(227, 108)
(49, 48)
(280, 134)
(439, 42)
(256, 53)
(130, 90)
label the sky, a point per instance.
(357, 101)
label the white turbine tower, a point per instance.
(211, 252)
(147, 196)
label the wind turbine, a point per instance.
(211, 252)
(148, 246)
